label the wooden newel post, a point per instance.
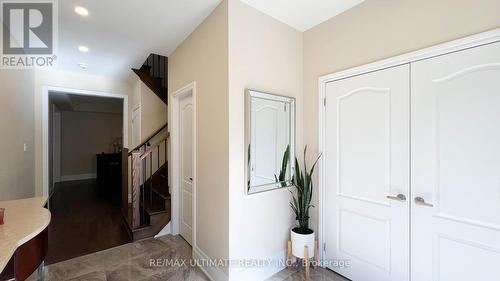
(136, 189)
(125, 183)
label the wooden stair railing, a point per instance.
(149, 138)
(154, 73)
(149, 210)
(145, 159)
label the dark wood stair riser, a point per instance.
(154, 204)
(153, 83)
(155, 207)
(154, 73)
(157, 222)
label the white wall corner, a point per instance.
(165, 231)
(213, 273)
(272, 265)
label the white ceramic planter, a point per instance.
(301, 240)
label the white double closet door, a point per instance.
(366, 159)
(412, 170)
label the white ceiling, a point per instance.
(302, 14)
(120, 34)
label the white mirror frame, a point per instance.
(249, 96)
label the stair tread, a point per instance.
(163, 194)
(153, 73)
(144, 231)
(144, 72)
(159, 184)
(153, 209)
(154, 83)
(141, 228)
(145, 67)
(128, 220)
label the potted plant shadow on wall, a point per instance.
(302, 235)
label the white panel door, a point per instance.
(186, 163)
(366, 160)
(456, 166)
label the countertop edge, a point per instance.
(28, 237)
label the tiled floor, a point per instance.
(133, 262)
(298, 274)
(129, 262)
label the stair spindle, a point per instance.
(151, 179)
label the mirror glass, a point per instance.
(270, 140)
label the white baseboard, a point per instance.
(212, 272)
(78, 177)
(165, 231)
(261, 273)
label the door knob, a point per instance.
(421, 201)
(399, 197)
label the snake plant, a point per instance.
(301, 198)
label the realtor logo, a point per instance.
(28, 34)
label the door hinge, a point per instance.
(324, 102)
(324, 246)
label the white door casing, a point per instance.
(56, 146)
(366, 159)
(45, 123)
(456, 166)
(186, 166)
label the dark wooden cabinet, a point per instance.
(109, 175)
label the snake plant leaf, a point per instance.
(284, 166)
(301, 198)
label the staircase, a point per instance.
(147, 210)
(154, 73)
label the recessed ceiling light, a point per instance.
(83, 49)
(83, 65)
(81, 11)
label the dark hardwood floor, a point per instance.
(83, 221)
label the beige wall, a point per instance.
(85, 134)
(153, 112)
(17, 127)
(135, 104)
(203, 57)
(21, 102)
(75, 81)
(265, 55)
(378, 29)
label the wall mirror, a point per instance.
(270, 141)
